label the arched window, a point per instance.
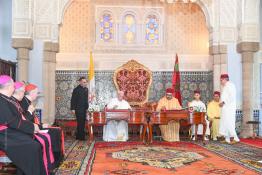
(106, 27)
(129, 28)
(152, 29)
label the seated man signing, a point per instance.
(117, 130)
(169, 132)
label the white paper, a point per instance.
(43, 131)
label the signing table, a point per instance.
(133, 117)
(164, 117)
(145, 118)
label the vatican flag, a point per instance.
(91, 78)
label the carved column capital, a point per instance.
(247, 47)
(218, 49)
(51, 47)
(50, 50)
(26, 43)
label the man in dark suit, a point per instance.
(79, 106)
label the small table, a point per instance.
(133, 117)
(164, 117)
(199, 118)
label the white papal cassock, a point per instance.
(116, 130)
(200, 107)
(228, 113)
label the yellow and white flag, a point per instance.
(91, 78)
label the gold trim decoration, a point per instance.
(132, 66)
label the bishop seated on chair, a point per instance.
(117, 130)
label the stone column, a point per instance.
(49, 68)
(219, 56)
(23, 46)
(247, 50)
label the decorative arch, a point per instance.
(106, 25)
(207, 12)
(153, 28)
(152, 12)
(127, 12)
(129, 27)
(64, 6)
(203, 5)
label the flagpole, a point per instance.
(176, 81)
(91, 79)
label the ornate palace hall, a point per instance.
(130, 87)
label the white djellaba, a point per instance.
(228, 113)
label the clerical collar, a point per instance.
(27, 98)
(12, 97)
(3, 95)
(9, 99)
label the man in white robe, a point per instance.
(228, 112)
(116, 130)
(199, 106)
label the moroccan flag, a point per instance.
(176, 81)
(91, 78)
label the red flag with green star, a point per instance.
(176, 81)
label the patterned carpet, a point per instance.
(169, 158)
(241, 153)
(159, 157)
(76, 157)
(134, 158)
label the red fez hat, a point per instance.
(30, 87)
(217, 93)
(170, 91)
(224, 76)
(197, 92)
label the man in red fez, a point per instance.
(170, 132)
(170, 91)
(217, 93)
(224, 76)
(214, 113)
(228, 110)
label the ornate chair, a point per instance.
(134, 79)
